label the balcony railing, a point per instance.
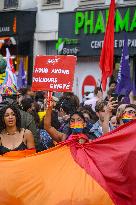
(10, 4)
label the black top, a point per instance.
(22, 146)
(4, 150)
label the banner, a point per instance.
(53, 73)
(99, 172)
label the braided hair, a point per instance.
(17, 115)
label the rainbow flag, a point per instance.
(100, 172)
(127, 117)
(8, 87)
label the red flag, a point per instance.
(111, 161)
(11, 65)
(107, 53)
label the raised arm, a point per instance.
(56, 135)
(108, 113)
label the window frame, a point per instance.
(15, 6)
(53, 5)
(129, 2)
(85, 4)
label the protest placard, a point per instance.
(53, 73)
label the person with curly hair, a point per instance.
(12, 136)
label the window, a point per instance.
(130, 2)
(52, 4)
(53, 1)
(10, 4)
(121, 2)
(90, 3)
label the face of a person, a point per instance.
(87, 117)
(101, 114)
(130, 111)
(10, 118)
(113, 86)
(113, 121)
(99, 94)
(77, 120)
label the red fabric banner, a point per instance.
(111, 161)
(107, 53)
(54, 73)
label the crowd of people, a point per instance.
(30, 120)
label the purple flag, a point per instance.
(21, 79)
(124, 84)
(134, 84)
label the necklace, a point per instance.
(10, 133)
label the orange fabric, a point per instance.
(51, 177)
(19, 154)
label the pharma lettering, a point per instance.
(95, 21)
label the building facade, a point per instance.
(17, 27)
(77, 28)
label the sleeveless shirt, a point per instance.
(22, 146)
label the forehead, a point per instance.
(112, 85)
(129, 108)
(102, 108)
(76, 116)
(113, 119)
(9, 110)
(86, 115)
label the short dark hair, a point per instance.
(100, 105)
(26, 103)
(78, 113)
(112, 82)
(17, 115)
(96, 90)
(67, 105)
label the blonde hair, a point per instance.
(119, 112)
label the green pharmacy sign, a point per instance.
(93, 22)
(62, 42)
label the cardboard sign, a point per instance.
(53, 73)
